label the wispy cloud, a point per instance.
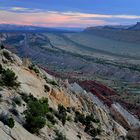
(19, 9)
(87, 15)
(39, 17)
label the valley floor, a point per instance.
(77, 57)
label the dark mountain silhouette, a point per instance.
(135, 27)
(25, 28)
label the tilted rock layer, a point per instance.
(68, 95)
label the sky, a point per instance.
(69, 13)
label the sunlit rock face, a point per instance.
(58, 92)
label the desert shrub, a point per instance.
(9, 121)
(96, 120)
(95, 139)
(46, 88)
(79, 117)
(50, 117)
(17, 100)
(73, 109)
(7, 55)
(59, 136)
(37, 112)
(37, 107)
(3, 116)
(14, 104)
(62, 114)
(34, 68)
(27, 98)
(63, 119)
(0, 98)
(61, 108)
(14, 111)
(79, 136)
(89, 129)
(90, 118)
(130, 138)
(98, 130)
(85, 120)
(9, 78)
(69, 118)
(51, 109)
(69, 109)
(34, 123)
(2, 46)
(1, 69)
(52, 82)
(35, 115)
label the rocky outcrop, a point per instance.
(102, 112)
(124, 117)
(74, 87)
(8, 57)
(58, 92)
(17, 133)
(135, 27)
(59, 97)
(30, 82)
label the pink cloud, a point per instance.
(24, 16)
(49, 19)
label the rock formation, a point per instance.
(37, 84)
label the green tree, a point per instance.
(35, 114)
(34, 123)
(9, 78)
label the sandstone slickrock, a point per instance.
(124, 117)
(17, 133)
(69, 95)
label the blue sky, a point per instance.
(69, 13)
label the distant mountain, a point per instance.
(110, 27)
(116, 27)
(119, 33)
(25, 28)
(135, 27)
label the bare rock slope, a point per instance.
(71, 112)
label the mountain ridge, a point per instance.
(116, 27)
(135, 27)
(31, 28)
